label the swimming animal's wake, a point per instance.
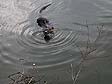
(17, 41)
(56, 52)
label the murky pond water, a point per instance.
(70, 18)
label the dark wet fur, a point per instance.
(42, 21)
(47, 38)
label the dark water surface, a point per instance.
(70, 17)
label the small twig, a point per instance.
(77, 75)
(72, 72)
(30, 80)
(10, 76)
(81, 51)
(99, 33)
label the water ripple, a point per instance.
(53, 52)
(34, 48)
(17, 41)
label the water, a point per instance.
(18, 22)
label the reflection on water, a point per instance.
(18, 22)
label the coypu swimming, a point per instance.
(47, 27)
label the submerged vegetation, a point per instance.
(25, 77)
(86, 53)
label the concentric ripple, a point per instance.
(17, 41)
(56, 52)
(33, 48)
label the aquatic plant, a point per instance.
(85, 52)
(21, 78)
(24, 78)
